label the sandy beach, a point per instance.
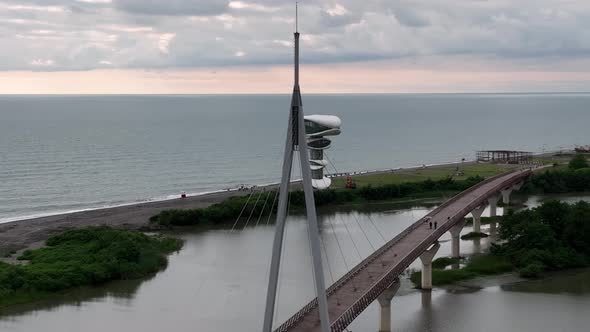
(20, 234)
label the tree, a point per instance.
(579, 161)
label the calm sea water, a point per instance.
(69, 153)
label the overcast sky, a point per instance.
(221, 46)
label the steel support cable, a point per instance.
(341, 251)
(327, 260)
(328, 263)
(359, 225)
(368, 216)
(358, 252)
(263, 207)
(355, 218)
(272, 206)
(376, 228)
(252, 211)
(338, 243)
(241, 212)
(340, 247)
(321, 240)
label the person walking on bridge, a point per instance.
(431, 225)
(435, 225)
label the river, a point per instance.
(217, 282)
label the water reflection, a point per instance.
(572, 282)
(120, 292)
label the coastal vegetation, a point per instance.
(476, 266)
(233, 208)
(578, 161)
(82, 257)
(410, 184)
(457, 172)
(570, 179)
(442, 262)
(554, 236)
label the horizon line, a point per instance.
(308, 93)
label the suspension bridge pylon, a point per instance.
(296, 141)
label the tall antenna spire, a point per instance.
(296, 16)
(296, 34)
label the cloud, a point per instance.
(173, 7)
(164, 41)
(42, 63)
(154, 34)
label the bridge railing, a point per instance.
(364, 263)
(383, 283)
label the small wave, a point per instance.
(176, 196)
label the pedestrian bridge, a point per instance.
(376, 277)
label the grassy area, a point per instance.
(442, 262)
(440, 172)
(488, 265)
(417, 175)
(403, 186)
(83, 257)
(233, 208)
(476, 266)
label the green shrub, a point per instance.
(442, 262)
(556, 235)
(83, 257)
(577, 162)
(559, 181)
(443, 277)
(230, 209)
(488, 264)
(532, 270)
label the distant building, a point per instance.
(316, 127)
(505, 156)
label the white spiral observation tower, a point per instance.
(316, 128)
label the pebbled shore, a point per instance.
(17, 235)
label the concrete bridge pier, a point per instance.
(493, 201)
(426, 300)
(506, 195)
(506, 192)
(385, 304)
(426, 259)
(477, 245)
(455, 238)
(477, 218)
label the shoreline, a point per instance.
(23, 233)
(20, 234)
(171, 197)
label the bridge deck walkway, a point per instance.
(349, 296)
